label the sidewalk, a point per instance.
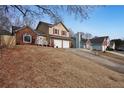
(119, 54)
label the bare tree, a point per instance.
(71, 32)
(88, 36)
(18, 22)
(85, 35)
(55, 13)
(4, 22)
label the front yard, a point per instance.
(35, 66)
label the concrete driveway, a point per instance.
(93, 57)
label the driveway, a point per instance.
(93, 57)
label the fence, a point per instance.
(7, 41)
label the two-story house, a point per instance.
(57, 34)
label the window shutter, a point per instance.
(58, 32)
(53, 31)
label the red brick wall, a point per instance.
(20, 33)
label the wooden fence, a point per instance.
(7, 41)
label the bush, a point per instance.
(109, 49)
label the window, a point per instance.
(55, 31)
(27, 38)
(63, 33)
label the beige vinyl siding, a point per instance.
(60, 28)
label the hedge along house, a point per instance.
(24, 35)
(98, 43)
(57, 34)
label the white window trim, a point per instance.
(24, 38)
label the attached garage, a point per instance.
(57, 43)
(61, 43)
(65, 44)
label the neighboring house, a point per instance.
(98, 43)
(57, 34)
(24, 35)
(112, 45)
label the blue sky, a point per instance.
(108, 21)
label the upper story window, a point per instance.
(55, 31)
(63, 33)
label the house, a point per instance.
(24, 35)
(112, 45)
(57, 34)
(98, 43)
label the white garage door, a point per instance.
(65, 44)
(57, 43)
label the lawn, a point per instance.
(35, 66)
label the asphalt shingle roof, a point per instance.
(98, 40)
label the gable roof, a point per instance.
(4, 32)
(21, 28)
(98, 40)
(62, 24)
(50, 25)
(16, 29)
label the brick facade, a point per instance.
(21, 32)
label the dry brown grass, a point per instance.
(32, 66)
